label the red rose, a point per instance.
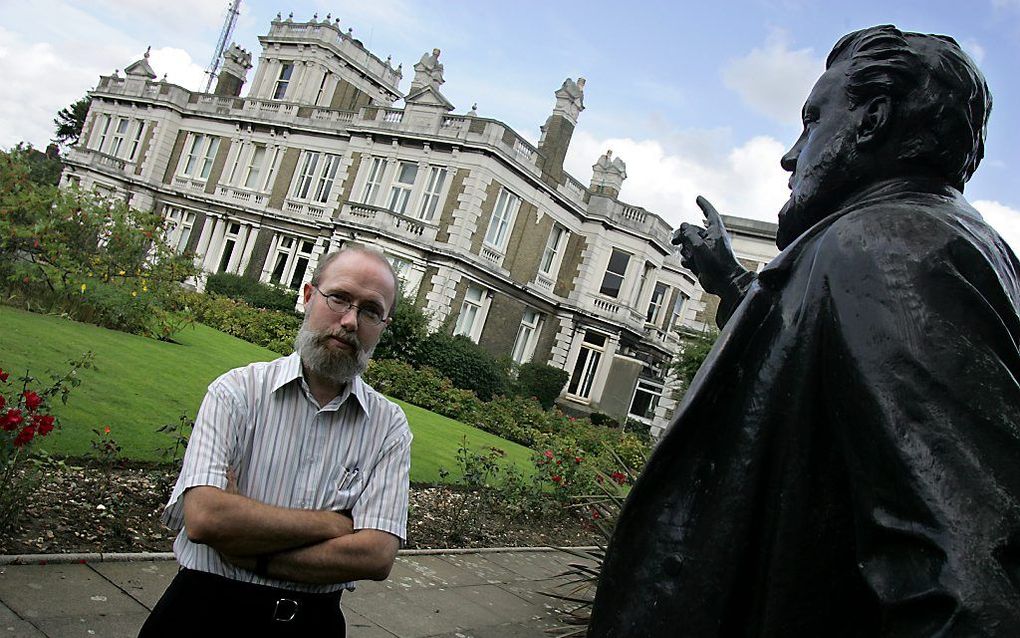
(3, 402)
(548, 454)
(578, 459)
(32, 400)
(4, 375)
(556, 478)
(12, 419)
(43, 423)
(25, 436)
(620, 477)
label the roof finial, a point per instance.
(147, 49)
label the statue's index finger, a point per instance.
(711, 214)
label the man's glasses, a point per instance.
(342, 306)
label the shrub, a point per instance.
(598, 418)
(466, 364)
(271, 329)
(254, 293)
(423, 387)
(542, 381)
(403, 339)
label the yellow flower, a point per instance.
(134, 293)
(145, 289)
(83, 287)
(121, 273)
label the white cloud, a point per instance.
(1002, 218)
(746, 180)
(773, 79)
(974, 49)
(180, 69)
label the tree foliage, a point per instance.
(85, 255)
(694, 348)
(71, 120)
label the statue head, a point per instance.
(890, 104)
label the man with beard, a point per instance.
(295, 480)
(845, 463)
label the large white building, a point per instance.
(487, 232)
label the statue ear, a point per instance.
(875, 116)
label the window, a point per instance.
(177, 227)
(290, 261)
(646, 399)
(199, 159)
(655, 303)
(137, 141)
(283, 80)
(433, 186)
(553, 249)
(322, 87)
(373, 180)
(616, 270)
(527, 336)
(400, 192)
(315, 180)
(229, 243)
(502, 219)
(103, 126)
(271, 168)
(119, 133)
(255, 162)
(401, 268)
(583, 377)
(676, 317)
(471, 318)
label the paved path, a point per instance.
(483, 594)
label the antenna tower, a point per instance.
(213, 70)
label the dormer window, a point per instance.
(286, 70)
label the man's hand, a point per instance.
(707, 253)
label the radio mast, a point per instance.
(213, 70)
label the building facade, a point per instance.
(486, 231)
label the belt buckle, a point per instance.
(285, 610)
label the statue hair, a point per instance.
(940, 98)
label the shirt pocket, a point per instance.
(344, 487)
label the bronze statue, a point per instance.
(847, 460)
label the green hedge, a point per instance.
(541, 381)
(254, 293)
(466, 364)
(271, 329)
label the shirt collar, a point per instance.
(291, 371)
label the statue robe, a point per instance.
(847, 460)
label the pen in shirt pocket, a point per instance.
(348, 478)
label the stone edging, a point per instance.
(123, 557)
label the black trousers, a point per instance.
(198, 604)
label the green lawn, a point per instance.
(140, 384)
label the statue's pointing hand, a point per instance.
(706, 252)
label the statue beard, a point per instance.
(821, 190)
(336, 365)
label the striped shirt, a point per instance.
(262, 420)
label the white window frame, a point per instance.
(252, 170)
(306, 175)
(527, 336)
(231, 237)
(103, 126)
(373, 180)
(552, 256)
(178, 224)
(608, 272)
(504, 213)
(322, 87)
(314, 182)
(197, 162)
(435, 182)
(283, 82)
(400, 191)
(119, 135)
(137, 141)
(653, 388)
(327, 178)
(586, 366)
(677, 314)
(472, 313)
(295, 255)
(655, 305)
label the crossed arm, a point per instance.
(307, 546)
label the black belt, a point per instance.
(280, 605)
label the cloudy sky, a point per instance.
(696, 97)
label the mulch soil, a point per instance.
(80, 508)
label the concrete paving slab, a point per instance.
(37, 592)
(415, 614)
(94, 626)
(508, 630)
(501, 604)
(12, 625)
(473, 569)
(360, 627)
(145, 582)
(527, 565)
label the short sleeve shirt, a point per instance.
(262, 421)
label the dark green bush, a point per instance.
(271, 329)
(403, 338)
(254, 293)
(598, 418)
(466, 364)
(541, 381)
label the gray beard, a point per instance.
(337, 366)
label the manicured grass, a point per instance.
(140, 384)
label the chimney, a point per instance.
(607, 175)
(559, 128)
(236, 62)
